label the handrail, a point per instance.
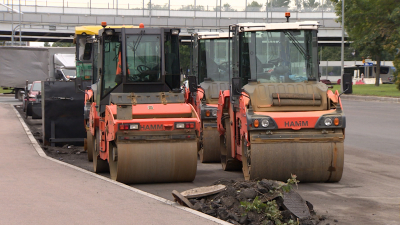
(238, 6)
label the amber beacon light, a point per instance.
(287, 15)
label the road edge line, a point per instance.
(41, 153)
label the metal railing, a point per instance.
(207, 8)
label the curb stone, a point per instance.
(370, 98)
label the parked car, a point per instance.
(32, 96)
(25, 94)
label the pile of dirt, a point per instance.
(257, 202)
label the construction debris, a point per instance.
(250, 202)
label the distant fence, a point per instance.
(175, 8)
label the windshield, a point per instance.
(143, 58)
(280, 56)
(37, 86)
(84, 50)
(213, 59)
(111, 64)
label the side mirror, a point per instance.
(192, 83)
(236, 87)
(347, 83)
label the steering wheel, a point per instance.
(142, 68)
(275, 61)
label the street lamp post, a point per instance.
(19, 9)
(342, 55)
(12, 23)
(13, 31)
(12, 20)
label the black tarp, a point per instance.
(62, 115)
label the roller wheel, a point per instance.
(210, 152)
(99, 165)
(246, 160)
(228, 163)
(89, 145)
(113, 161)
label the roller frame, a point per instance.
(99, 165)
(140, 156)
(317, 159)
(227, 161)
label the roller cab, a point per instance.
(210, 67)
(278, 119)
(146, 132)
(86, 41)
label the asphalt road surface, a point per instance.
(368, 192)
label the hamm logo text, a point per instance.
(152, 127)
(296, 124)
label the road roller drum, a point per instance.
(89, 145)
(209, 151)
(310, 162)
(151, 162)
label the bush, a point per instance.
(396, 63)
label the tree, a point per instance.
(369, 25)
(46, 44)
(327, 4)
(62, 44)
(254, 6)
(279, 3)
(297, 3)
(153, 6)
(184, 56)
(393, 43)
(310, 4)
(333, 53)
(191, 7)
(227, 7)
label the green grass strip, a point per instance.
(383, 90)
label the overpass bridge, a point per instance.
(56, 21)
